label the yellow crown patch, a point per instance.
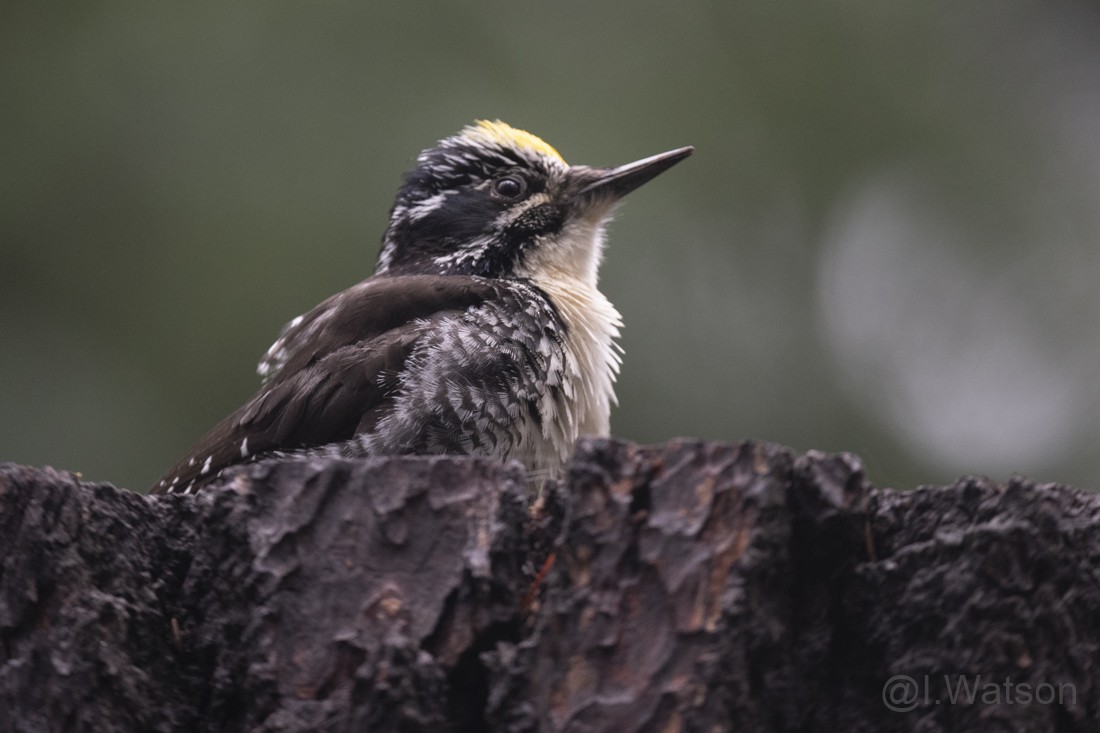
(501, 133)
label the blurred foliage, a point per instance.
(180, 180)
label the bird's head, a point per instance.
(495, 201)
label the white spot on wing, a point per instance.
(244, 448)
(206, 466)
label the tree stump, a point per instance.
(681, 587)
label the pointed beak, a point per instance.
(614, 183)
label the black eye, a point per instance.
(509, 187)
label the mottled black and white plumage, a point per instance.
(481, 332)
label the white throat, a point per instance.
(567, 271)
(593, 325)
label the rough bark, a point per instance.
(688, 586)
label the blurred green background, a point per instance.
(886, 242)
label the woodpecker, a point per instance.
(481, 332)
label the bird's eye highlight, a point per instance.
(510, 187)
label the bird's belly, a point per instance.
(476, 420)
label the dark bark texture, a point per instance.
(684, 587)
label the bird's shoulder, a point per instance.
(369, 309)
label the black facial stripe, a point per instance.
(505, 254)
(461, 217)
(536, 221)
(409, 258)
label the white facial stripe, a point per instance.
(511, 214)
(428, 205)
(469, 252)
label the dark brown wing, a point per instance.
(331, 371)
(372, 307)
